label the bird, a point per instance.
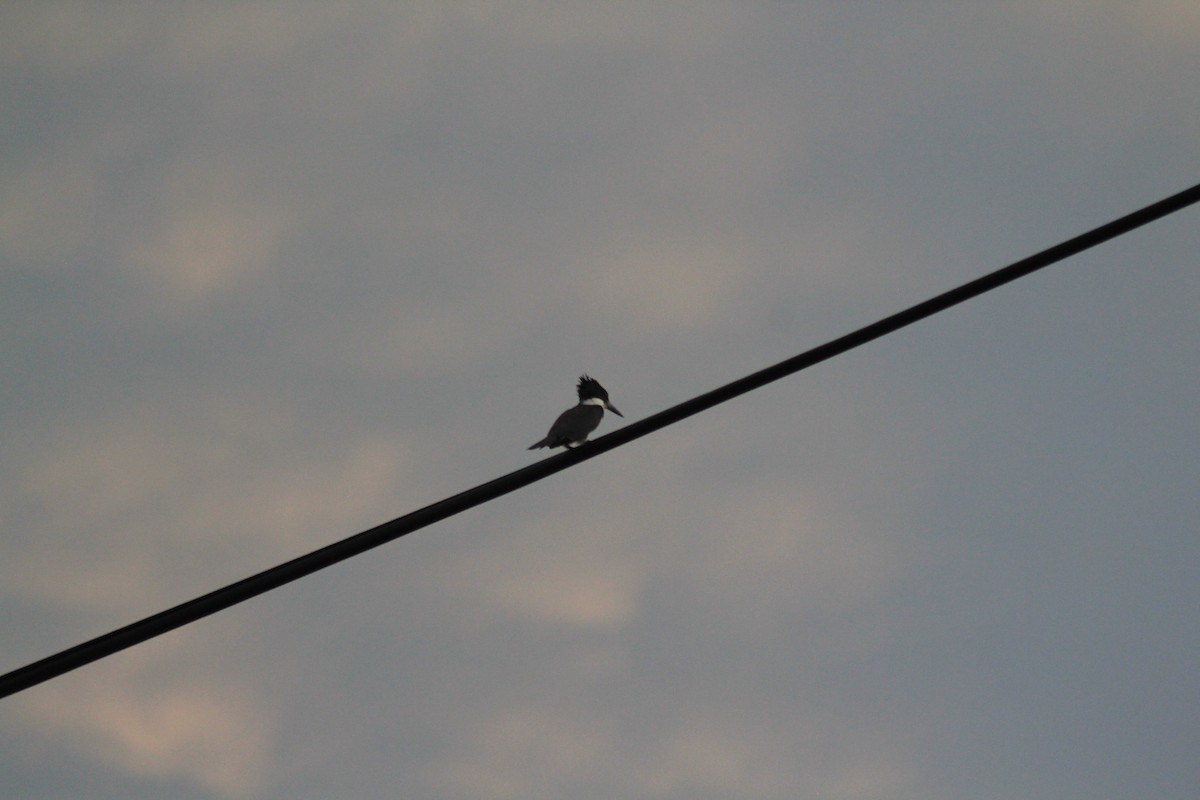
(572, 427)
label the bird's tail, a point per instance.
(543, 443)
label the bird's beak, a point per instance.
(613, 409)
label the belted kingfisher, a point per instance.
(572, 427)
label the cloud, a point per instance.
(48, 208)
(552, 570)
(211, 236)
(524, 751)
(541, 749)
(771, 543)
(147, 713)
(218, 478)
(70, 39)
(661, 289)
(699, 755)
(284, 270)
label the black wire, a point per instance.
(172, 618)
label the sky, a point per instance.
(274, 273)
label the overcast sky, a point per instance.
(273, 273)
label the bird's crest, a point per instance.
(590, 387)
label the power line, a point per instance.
(180, 615)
